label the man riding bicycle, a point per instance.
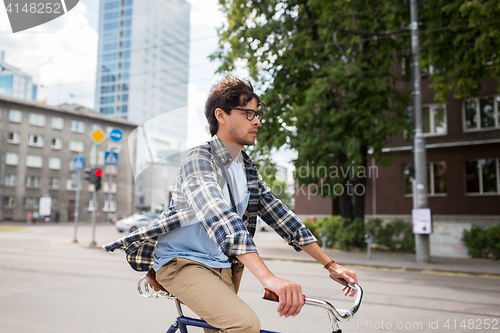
(199, 246)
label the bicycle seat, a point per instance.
(151, 280)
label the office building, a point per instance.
(142, 73)
(14, 83)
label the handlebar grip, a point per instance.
(269, 295)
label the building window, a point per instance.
(9, 202)
(11, 180)
(482, 176)
(77, 126)
(434, 119)
(35, 140)
(34, 161)
(57, 123)
(31, 203)
(55, 203)
(109, 206)
(33, 181)
(71, 183)
(436, 178)
(125, 98)
(107, 89)
(12, 158)
(76, 146)
(107, 99)
(54, 183)
(55, 163)
(13, 137)
(15, 116)
(106, 188)
(37, 119)
(112, 5)
(107, 110)
(110, 26)
(481, 113)
(56, 143)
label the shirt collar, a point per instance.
(223, 154)
(221, 151)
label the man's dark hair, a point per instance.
(230, 92)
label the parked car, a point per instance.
(133, 222)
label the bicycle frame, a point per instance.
(147, 290)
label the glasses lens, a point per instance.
(250, 115)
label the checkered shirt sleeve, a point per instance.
(279, 217)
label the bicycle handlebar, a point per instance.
(347, 314)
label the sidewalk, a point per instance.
(272, 247)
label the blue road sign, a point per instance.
(116, 134)
(110, 158)
(78, 163)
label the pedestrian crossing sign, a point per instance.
(78, 163)
(110, 158)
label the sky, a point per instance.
(61, 56)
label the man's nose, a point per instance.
(256, 121)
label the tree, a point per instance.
(461, 40)
(332, 103)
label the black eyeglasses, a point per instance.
(251, 113)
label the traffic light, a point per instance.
(97, 178)
(93, 176)
(88, 175)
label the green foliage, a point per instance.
(396, 235)
(461, 39)
(342, 233)
(330, 105)
(483, 242)
(267, 170)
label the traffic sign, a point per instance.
(116, 134)
(78, 163)
(98, 135)
(110, 158)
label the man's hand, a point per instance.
(339, 272)
(290, 294)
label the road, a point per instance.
(49, 284)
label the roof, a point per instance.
(65, 109)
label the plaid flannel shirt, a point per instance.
(197, 193)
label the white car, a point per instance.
(133, 222)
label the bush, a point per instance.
(483, 243)
(345, 234)
(396, 235)
(342, 233)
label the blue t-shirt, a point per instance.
(192, 241)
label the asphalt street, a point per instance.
(50, 284)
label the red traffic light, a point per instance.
(98, 172)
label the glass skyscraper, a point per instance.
(143, 60)
(14, 83)
(142, 71)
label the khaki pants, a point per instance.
(210, 293)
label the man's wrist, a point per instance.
(330, 265)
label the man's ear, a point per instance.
(220, 115)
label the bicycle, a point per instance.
(149, 287)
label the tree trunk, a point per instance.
(359, 190)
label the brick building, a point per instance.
(463, 152)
